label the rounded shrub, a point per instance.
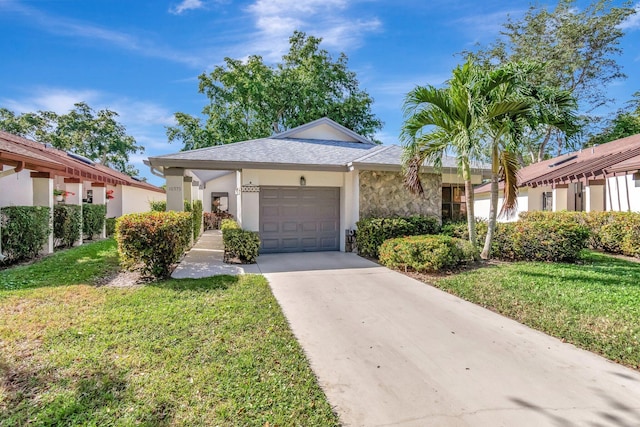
(428, 253)
(373, 231)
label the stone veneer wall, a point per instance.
(383, 194)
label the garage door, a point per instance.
(299, 219)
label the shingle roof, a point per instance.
(622, 155)
(41, 157)
(391, 155)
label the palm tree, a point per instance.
(455, 118)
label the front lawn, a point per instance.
(594, 304)
(214, 351)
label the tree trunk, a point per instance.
(493, 206)
(468, 189)
(543, 145)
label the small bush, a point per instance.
(460, 230)
(197, 218)
(241, 244)
(229, 224)
(25, 230)
(558, 239)
(212, 220)
(424, 253)
(158, 206)
(372, 232)
(111, 226)
(67, 224)
(151, 242)
(93, 217)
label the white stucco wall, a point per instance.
(224, 184)
(16, 189)
(482, 205)
(114, 206)
(624, 194)
(135, 199)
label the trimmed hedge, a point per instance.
(372, 232)
(25, 230)
(152, 242)
(559, 239)
(460, 230)
(111, 226)
(67, 224)
(93, 218)
(238, 243)
(425, 253)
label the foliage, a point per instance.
(197, 218)
(248, 99)
(158, 205)
(152, 242)
(93, 218)
(372, 232)
(425, 253)
(578, 50)
(239, 244)
(625, 123)
(555, 239)
(25, 230)
(460, 229)
(212, 220)
(110, 226)
(67, 224)
(85, 264)
(191, 352)
(593, 304)
(93, 134)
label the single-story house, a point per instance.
(31, 172)
(601, 178)
(304, 189)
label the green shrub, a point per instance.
(212, 220)
(110, 226)
(158, 206)
(241, 244)
(93, 217)
(25, 230)
(424, 253)
(372, 232)
(460, 230)
(228, 223)
(151, 242)
(558, 238)
(197, 218)
(67, 224)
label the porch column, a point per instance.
(239, 197)
(43, 196)
(187, 182)
(100, 198)
(74, 186)
(560, 193)
(175, 189)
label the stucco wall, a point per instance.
(625, 193)
(16, 189)
(136, 199)
(383, 194)
(224, 184)
(482, 205)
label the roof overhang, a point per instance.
(163, 163)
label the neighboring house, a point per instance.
(305, 189)
(601, 178)
(30, 172)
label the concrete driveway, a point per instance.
(391, 351)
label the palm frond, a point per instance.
(509, 167)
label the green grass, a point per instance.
(594, 304)
(214, 351)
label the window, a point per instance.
(454, 206)
(547, 201)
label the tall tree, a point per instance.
(578, 48)
(625, 123)
(96, 135)
(250, 99)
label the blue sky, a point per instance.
(141, 58)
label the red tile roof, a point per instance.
(619, 156)
(44, 158)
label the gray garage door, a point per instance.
(299, 219)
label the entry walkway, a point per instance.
(205, 259)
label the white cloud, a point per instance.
(186, 5)
(51, 99)
(275, 21)
(633, 21)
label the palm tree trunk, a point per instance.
(493, 205)
(468, 190)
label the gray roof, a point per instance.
(270, 152)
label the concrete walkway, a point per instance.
(205, 259)
(391, 351)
